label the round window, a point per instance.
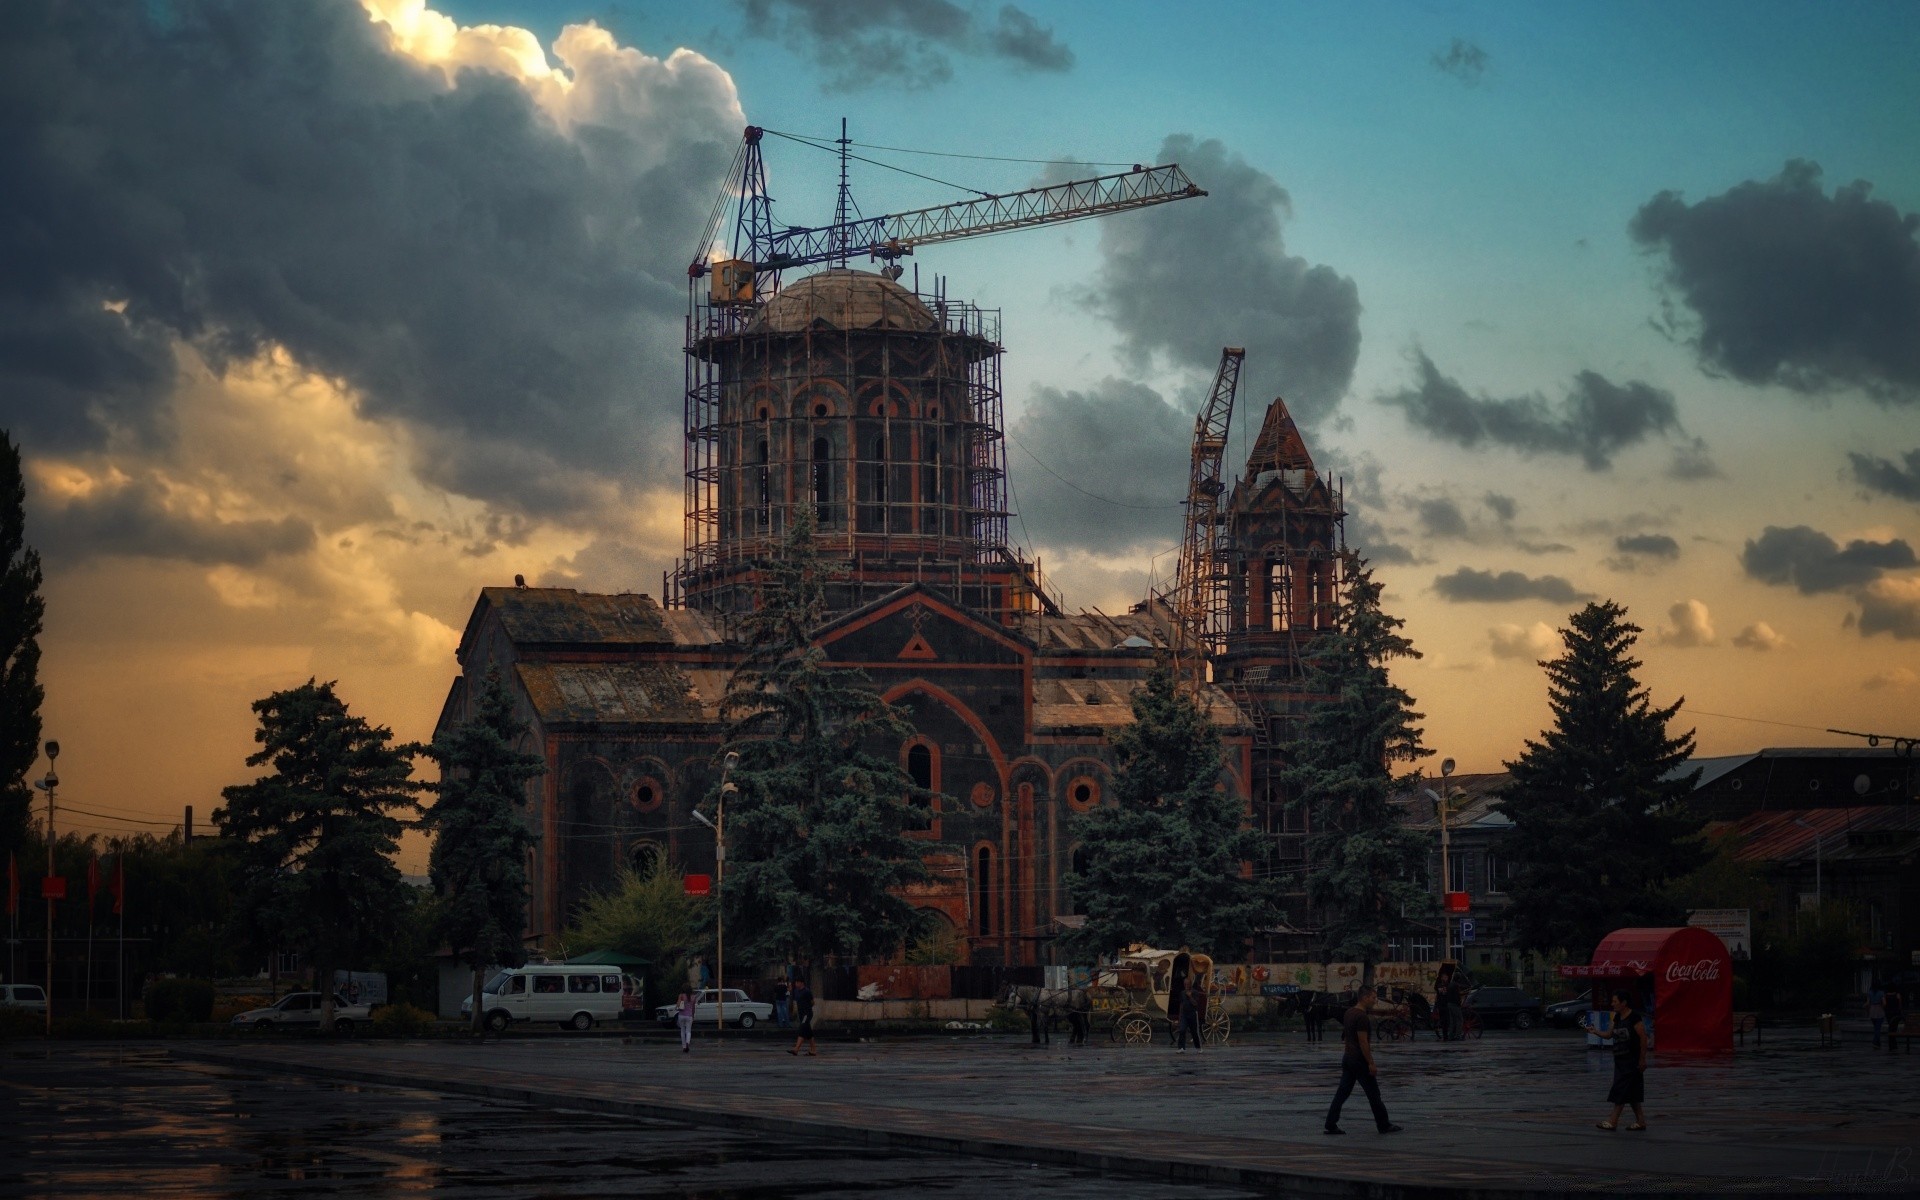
(647, 794)
(1083, 794)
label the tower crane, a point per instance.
(1199, 599)
(761, 251)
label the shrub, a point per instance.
(1491, 976)
(185, 1000)
(403, 1020)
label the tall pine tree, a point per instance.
(1165, 859)
(480, 836)
(21, 610)
(1364, 874)
(816, 847)
(319, 832)
(1600, 819)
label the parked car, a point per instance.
(23, 995)
(1567, 1014)
(304, 1008)
(706, 1009)
(1498, 1006)
(571, 995)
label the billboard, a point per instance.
(1734, 926)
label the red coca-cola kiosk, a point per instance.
(1682, 977)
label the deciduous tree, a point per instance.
(478, 864)
(648, 915)
(21, 611)
(816, 847)
(1167, 858)
(319, 832)
(1365, 870)
(1599, 803)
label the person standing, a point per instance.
(801, 1001)
(1192, 1012)
(1629, 1038)
(1877, 1010)
(683, 1016)
(1896, 1013)
(780, 993)
(1357, 1065)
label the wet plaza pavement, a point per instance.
(1511, 1114)
(111, 1120)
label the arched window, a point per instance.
(930, 474)
(1317, 593)
(920, 767)
(880, 470)
(983, 889)
(1279, 594)
(766, 492)
(923, 770)
(822, 478)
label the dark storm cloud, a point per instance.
(1813, 562)
(1885, 611)
(1470, 586)
(1648, 545)
(1372, 541)
(1103, 469)
(1463, 60)
(1692, 463)
(1597, 419)
(241, 174)
(1792, 286)
(901, 43)
(1504, 507)
(1442, 518)
(1883, 475)
(1187, 278)
(135, 521)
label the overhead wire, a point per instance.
(885, 166)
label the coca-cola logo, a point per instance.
(1704, 971)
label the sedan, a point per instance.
(706, 1009)
(1567, 1014)
(1497, 1006)
(304, 1008)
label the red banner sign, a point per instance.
(53, 887)
(1458, 902)
(697, 885)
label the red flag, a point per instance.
(13, 885)
(93, 880)
(119, 885)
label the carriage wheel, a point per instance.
(1393, 1029)
(1470, 1024)
(1135, 1030)
(1218, 1029)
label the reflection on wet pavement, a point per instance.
(113, 1121)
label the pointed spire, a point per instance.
(1279, 446)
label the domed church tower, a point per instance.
(850, 398)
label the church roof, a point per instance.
(613, 693)
(564, 616)
(844, 299)
(1279, 446)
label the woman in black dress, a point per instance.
(1629, 1038)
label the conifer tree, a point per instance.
(320, 831)
(1598, 804)
(21, 610)
(1365, 869)
(478, 864)
(1167, 859)
(816, 845)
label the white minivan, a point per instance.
(573, 997)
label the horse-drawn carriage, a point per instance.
(1132, 995)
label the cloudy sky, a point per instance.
(319, 315)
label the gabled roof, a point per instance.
(1279, 446)
(566, 617)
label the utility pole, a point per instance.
(47, 785)
(719, 827)
(1441, 801)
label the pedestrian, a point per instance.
(1447, 995)
(780, 1004)
(1896, 1013)
(683, 1016)
(1877, 1010)
(1177, 993)
(1357, 1065)
(1629, 1038)
(1192, 1011)
(802, 1002)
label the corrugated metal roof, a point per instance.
(1792, 835)
(612, 693)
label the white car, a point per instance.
(706, 1009)
(23, 995)
(303, 1008)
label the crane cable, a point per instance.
(874, 162)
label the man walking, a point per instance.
(1357, 1066)
(801, 998)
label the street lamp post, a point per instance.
(47, 785)
(719, 827)
(1440, 801)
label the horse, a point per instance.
(1042, 1005)
(1317, 1008)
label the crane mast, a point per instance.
(1201, 581)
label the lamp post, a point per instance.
(1440, 802)
(1819, 842)
(719, 827)
(47, 785)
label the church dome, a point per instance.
(844, 299)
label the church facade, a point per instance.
(877, 412)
